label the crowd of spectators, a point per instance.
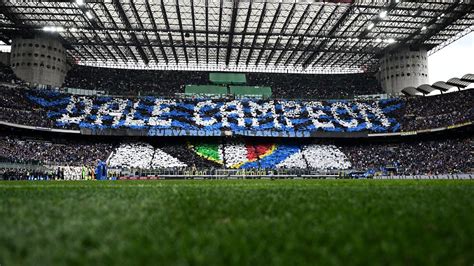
(300, 86)
(37, 151)
(182, 152)
(16, 108)
(13, 98)
(438, 111)
(132, 82)
(166, 83)
(418, 112)
(414, 157)
(421, 157)
(142, 155)
(418, 157)
(7, 75)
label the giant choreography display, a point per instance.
(216, 117)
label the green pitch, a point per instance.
(282, 222)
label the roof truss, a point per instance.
(316, 37)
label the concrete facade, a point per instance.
(39, 60)
(5, 58)
(405, 68)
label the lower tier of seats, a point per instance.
(414, 156)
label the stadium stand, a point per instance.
(167, 83)
(439, 111)
(447, 156)
(51, 109)
(130, 82)
(74, 159)
(18, 150)
(134, 155)
(7, 75)
(142, 155)
(298, 86)
(414, 156)
(66, 111)
(15, 108)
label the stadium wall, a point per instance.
(39, 60)
(5, 58)
(407, 68)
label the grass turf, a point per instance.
(254, 222)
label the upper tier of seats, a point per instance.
(214, 116)
(46, 108)
(166, 83)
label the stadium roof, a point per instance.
(239, 35)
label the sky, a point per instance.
(455, 60)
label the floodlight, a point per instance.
(89, 15)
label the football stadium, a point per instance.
(212, 132)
